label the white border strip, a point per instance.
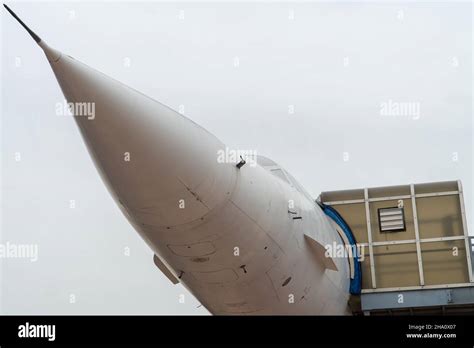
(391, 198)
(407, 288)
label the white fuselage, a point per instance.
(228, 234)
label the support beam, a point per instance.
(417, 235)
(369, 237)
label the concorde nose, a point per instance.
(161, 167)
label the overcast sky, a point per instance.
(301, 83)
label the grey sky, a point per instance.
(334, 64)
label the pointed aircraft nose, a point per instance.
(160, 166)
(51, 53)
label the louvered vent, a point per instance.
(391, 219)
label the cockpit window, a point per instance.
(279, 172)
(265, 162)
